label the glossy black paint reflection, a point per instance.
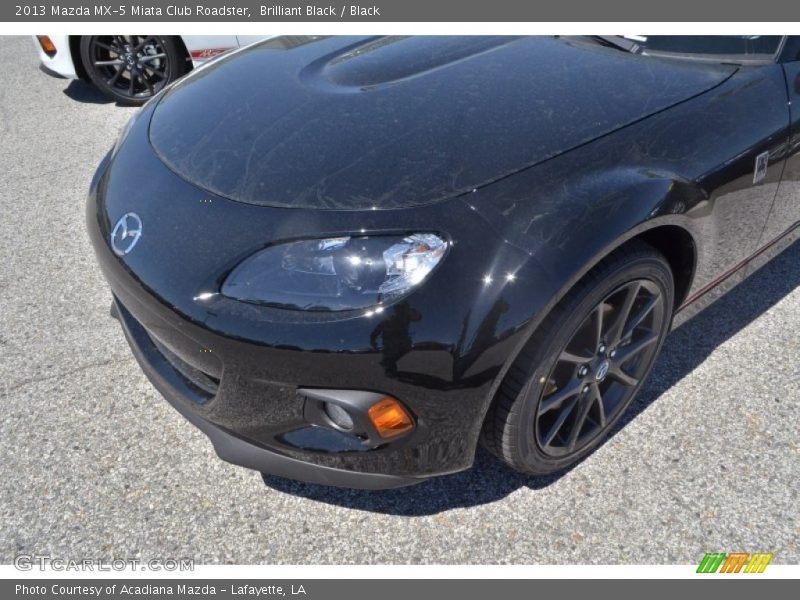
(572, 149)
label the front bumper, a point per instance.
(259, 422)
(227, 444)
(48, 71)
(59, 65)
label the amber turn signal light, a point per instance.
(389, 417)
(47, 45)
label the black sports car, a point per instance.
(349, 260)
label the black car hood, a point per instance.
(354, 123)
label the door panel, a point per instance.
(786, 208)
(741, 195)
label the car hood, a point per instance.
(356, 123)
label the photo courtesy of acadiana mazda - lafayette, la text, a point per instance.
(351, 260)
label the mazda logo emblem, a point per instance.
(602, 371)
(126, 233)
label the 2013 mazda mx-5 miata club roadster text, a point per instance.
(350, 260)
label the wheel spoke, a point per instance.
(557, 398)
(615, 330)
(616, 373)
(149, 57)
(115, 77)
(154, 72)
(597, 324)
(109, 63)
(584, 406)
(131, 84)
(143, 43)
(571, 357)
(107, 47)
(559, 422)
(601, 408)
(147, 83)
(640, 316)
(625, 353)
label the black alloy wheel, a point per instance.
(130, 69)
(584, 364)
(600, 367)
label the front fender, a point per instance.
(569, 227)
(569, 224)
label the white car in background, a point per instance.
(131, 68)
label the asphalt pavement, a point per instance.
(94, 463)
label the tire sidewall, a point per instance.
(530, 454)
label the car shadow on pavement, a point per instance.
(81, 91)
(489, 480)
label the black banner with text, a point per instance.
(341, 589)
(406, 11)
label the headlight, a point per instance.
(343, 273)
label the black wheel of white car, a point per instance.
(584, 365)
(130, 69)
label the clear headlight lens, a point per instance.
(343, 273)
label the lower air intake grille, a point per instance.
(202, 382)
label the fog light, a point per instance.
(389, 418)
(47, 45)
(338, 415)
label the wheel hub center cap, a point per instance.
(602, 371)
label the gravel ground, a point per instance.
(708, 460)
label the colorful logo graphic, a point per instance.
(735, 562)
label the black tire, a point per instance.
(554, 370)
(130, 69)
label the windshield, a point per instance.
(723, 48)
